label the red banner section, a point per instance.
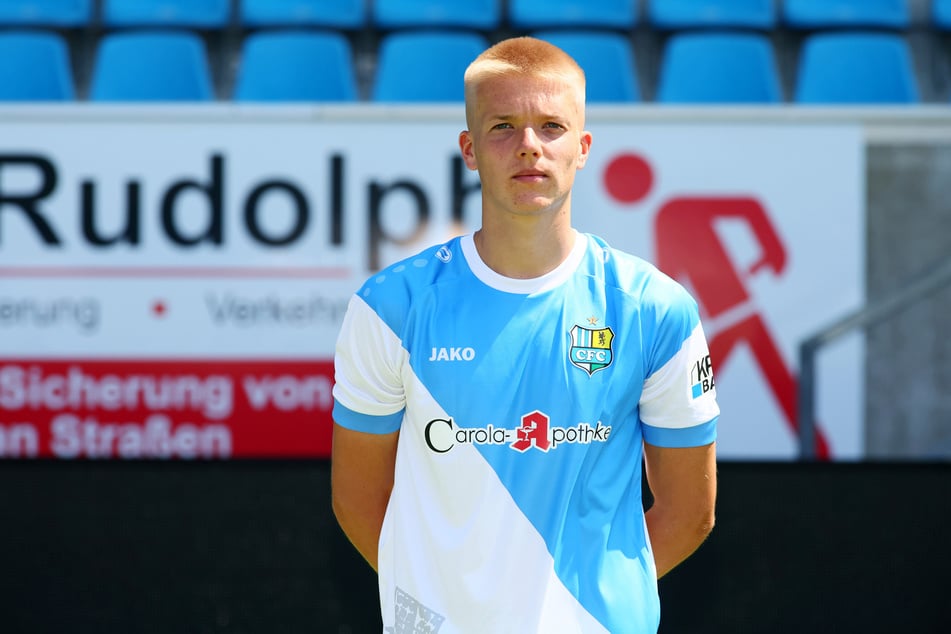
(165, 409)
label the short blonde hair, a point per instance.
(522, 56)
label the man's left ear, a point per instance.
(585, 148)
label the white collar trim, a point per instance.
(546, 282)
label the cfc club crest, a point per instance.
(591, 348)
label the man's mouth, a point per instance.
(529, 175)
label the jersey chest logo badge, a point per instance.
(591, 348)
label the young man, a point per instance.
(495, 396)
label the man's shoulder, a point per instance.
(637, 277)
(624, 265)
(406, 278)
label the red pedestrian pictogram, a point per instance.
(689, 249)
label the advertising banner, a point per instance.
(171, 287)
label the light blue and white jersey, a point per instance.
(522, 407)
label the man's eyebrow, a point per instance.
(546, 116)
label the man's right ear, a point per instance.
(468, 154)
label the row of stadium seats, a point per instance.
(427, 66)
(474, 14)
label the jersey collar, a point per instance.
(546, 282)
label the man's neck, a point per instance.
(527, 248)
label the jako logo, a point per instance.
(701, 377)
(442, 434)
(452, 354)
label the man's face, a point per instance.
(526, 140)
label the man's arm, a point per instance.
(683, 482)
(361, 479)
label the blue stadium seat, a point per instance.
(856, 68)
(471, 14)
(941, 14)
(35, 66)
(688, 14)
(719, 68)
(425, 66)
(342, 14)
(151, 66)
(52, 13)
(544, 14)
(828, 14)
(296, 66)
(607, 59)
(209, 14)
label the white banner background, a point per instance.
(241, 298)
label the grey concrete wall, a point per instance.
(908, 380)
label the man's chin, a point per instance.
(532, 206)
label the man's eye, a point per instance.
(501, 126)
(552, 124)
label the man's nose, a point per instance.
(530, 144)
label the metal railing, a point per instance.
(864, 317)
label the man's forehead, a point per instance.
(550, 84)
(497, 95)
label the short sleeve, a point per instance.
(678, 406)
(368, 388)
